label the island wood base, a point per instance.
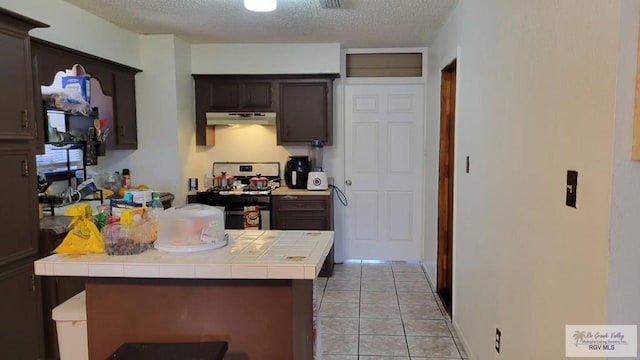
(260, 319)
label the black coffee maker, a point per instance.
(296, 172)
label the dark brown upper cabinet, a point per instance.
(17, 100)
(234, 95)
(305, 111)
(117, 87)
(303, 103)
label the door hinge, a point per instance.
(25, 119)
(33, 283)
(25, 168)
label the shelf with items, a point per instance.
(70, 167)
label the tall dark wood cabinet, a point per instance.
(21, 311)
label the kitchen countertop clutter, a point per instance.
(251, 254)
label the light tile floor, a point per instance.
(383, 311)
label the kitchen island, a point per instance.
(255, 293)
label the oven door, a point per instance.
(234, 219)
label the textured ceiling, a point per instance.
(359, 23)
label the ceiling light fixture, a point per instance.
(261, 5)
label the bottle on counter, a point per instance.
(156, 206)
(153, 213)
(126, 178)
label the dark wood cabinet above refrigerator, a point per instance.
(303, 103)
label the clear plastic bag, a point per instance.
(130, 239)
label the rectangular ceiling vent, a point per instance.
(330, 4)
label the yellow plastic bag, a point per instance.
(83, 236)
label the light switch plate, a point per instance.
(572, 188)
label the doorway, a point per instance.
(383, 171)
(445, 185)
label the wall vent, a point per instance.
(330, 4)
(384, 65)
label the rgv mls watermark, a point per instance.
(601, 340)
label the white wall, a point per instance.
(265, 58)
(158, 162)
(75, 28)
(624, 249)
(440, 55)
(191, 161)
(249, 143)
(536, 92)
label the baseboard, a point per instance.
(454, 324)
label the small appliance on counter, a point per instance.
(191, 228)
(296, 172)
(317, 178)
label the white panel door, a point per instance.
(384, 170)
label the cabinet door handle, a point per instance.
(33, 283)
(290, 197)
(25, 168)
(25, 119)
(121, 133)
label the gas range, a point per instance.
(240, 175)
(240, 193)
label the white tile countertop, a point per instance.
(250, 254)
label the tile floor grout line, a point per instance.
(359, 312)
(404, 330)
(445, 316)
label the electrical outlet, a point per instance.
(330, 180)
(498, 334)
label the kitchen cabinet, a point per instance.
(19, 206)
(16, 87)
(21, 313)
(235, 95)
(229, 93)
(117, 82)
(304, 212)
(303, 103)
(305, 111)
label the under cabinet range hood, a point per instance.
(235, 118)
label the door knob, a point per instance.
(348, 182)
